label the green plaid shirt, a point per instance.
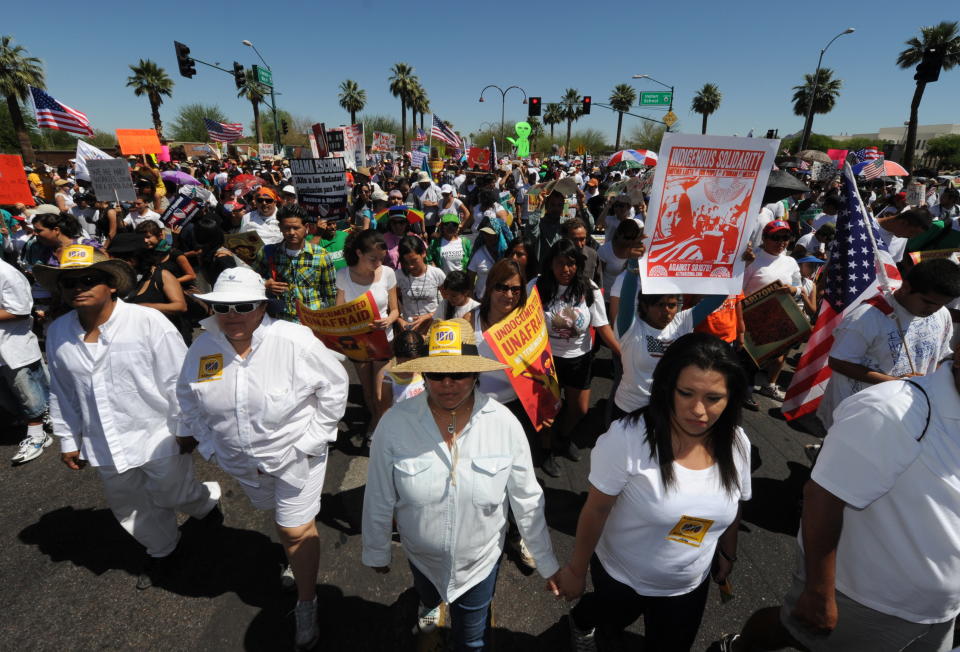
(310, 275)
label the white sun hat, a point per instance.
(236, 285)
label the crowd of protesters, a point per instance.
(134, 343)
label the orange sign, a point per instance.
(138, 141)
(13, 181)
(348, 328)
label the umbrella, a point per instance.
(781, 185)
(788, 162)
(632, 158)
(890, 169)
(246, 183)
(413, 216)
(814, 155)
(179, 178)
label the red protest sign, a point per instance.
(478, 157)
(138, 141)
(14, 188)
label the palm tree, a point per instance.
(252, 91)
(707, 101)
(621, 99)
(402, 83)
(553, 116)
(828, 89)
(571, 108)
(421, 103)
(151, 80)
(352, 98)
(17, 73)
(536, 130)
(946, 39)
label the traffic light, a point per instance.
(184, 62)
(586, 105)
(283, 126)
(928, 70)
(239, 74)
(533, 107)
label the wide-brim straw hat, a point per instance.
(74, 257)
(451, 347)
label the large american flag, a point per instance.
(874, 169)
(223, 132)
(54, 115)
(858, 268)
(867, 154)
(442, 132)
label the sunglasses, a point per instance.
(440, 375)
(85, 282)
(503, 288)
(239, 308)
(778, 238)
(264, 200)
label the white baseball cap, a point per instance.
(236, 285)
(446, 189)
(289, 189)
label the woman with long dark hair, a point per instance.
(213, 257)
(662, 514)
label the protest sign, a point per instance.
(320, 136)
(266, 150)
(838, 156)
(932, 254)
(244, 245)
(321, 185)
(180, 211)
(334, 141)
(773, 323)
(917, 194)
(138, 141)
(86, 152)
(820, 171)
(314, 149)
(14, 188)
(707, 192)
(478, 157)
(383, 142)
(111, 179)
(355, 144)
(348, 328)
(520, 340)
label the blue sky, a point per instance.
(754, 51)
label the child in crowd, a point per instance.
(407, 346)
(809, 301)
(456, 302)
(451, 251)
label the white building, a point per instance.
(898, 136)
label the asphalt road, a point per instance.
(69, 570)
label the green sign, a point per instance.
(265, 76)
(656, 98)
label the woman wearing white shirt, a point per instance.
(664, 504)
(418, 285)
(485, 254)
(446, 464)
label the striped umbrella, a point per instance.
(632, 158)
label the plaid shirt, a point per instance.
(310, 275)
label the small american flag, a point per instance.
(223, 132)
(54, 115)
(859, 265)
(442, 132)
(421, 134)
(867, 154)
(873, 169)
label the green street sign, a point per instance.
(265, 77)
(656, 98)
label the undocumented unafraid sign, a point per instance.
(111, 179)
(321, 185)
(348, 328)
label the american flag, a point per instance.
(852, 277)
(442, 132)
(54, 115)
(421, 134)
(867, 154)
(873, 169)
(223, 132)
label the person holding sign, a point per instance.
(418, 285)
(263, 219)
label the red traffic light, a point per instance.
(586, 105)
(533, 107)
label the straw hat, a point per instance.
(452, 347)
(75, 257)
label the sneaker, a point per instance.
(427, 619)
(570, 451)
(812, 451)
(750, 404)
(726, 643)
(156, 570)
(550, 466)
(31, 448)
(580, 640)
(287, 581)
(520, 547)
(772, 391)
(308, 633)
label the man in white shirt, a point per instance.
(23, 377)
(425, 196)
(263, 219)
(816, 242)
(113, 372)
(831, 206)
(140, 213)
(947, 208)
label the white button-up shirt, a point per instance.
(268, 228)
(267, 412)
(451, 504)
(18, 344)
(116, 399)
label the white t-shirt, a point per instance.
(458, 311)
(661, 542)
(135, 219)
(768, 268)
(811, 245)
(568, 325)
(380, 289)
(451, 255)
(404, 388)
(872, 339)
(495, 384)
(419, 295)
(612, 265)
(641, 348)
(611, 223)
(822, 219)
(896, 245)
(764, 217)
(480, 263)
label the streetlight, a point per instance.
(645, 76)
(503, 101)
(808, 123)
(273, 97)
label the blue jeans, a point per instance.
(468, 613)
(24, 390)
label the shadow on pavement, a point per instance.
(563, 509)
(775, 505)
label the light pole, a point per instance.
(273, 98)
(808, 123)
(669, 110)
(503, 101)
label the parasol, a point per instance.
(179, 178)
(413, 216)
(245, 182)
(781, 185)
(814, 156)
(890, 169)
(632, 158)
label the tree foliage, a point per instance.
(646, 135)
(382, 123)
(706, 102)
(946, 149)
(828, 89)
(188, 125)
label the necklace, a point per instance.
(452, 426)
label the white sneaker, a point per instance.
(31, 448)
(287, 580)
(308, 633)
(580, 640)
(772, 391)
(427, 619)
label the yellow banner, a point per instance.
(348, 328)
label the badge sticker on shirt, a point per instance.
(211, 368)
(690, 530)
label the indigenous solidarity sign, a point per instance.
(348, 328)
(773, 323)
(707, 193)
(520, 340)
(321, 185)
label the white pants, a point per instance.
(146, 500)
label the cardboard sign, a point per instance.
(111, 179)
(520, 340)
(348, 328)
(266, 150)
(773, 323)
(478, 157)
(137, 142)
(244, 246)
(706, 198)
(14, 188)
(383, 142)
(917, 194)
(321, 185)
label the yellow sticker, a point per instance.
(76, 256)
(211, 368)
(690, 530)
(445, 339)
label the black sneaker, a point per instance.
(550, 466)
(155, 571)
(570, 451)
(751, 404)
